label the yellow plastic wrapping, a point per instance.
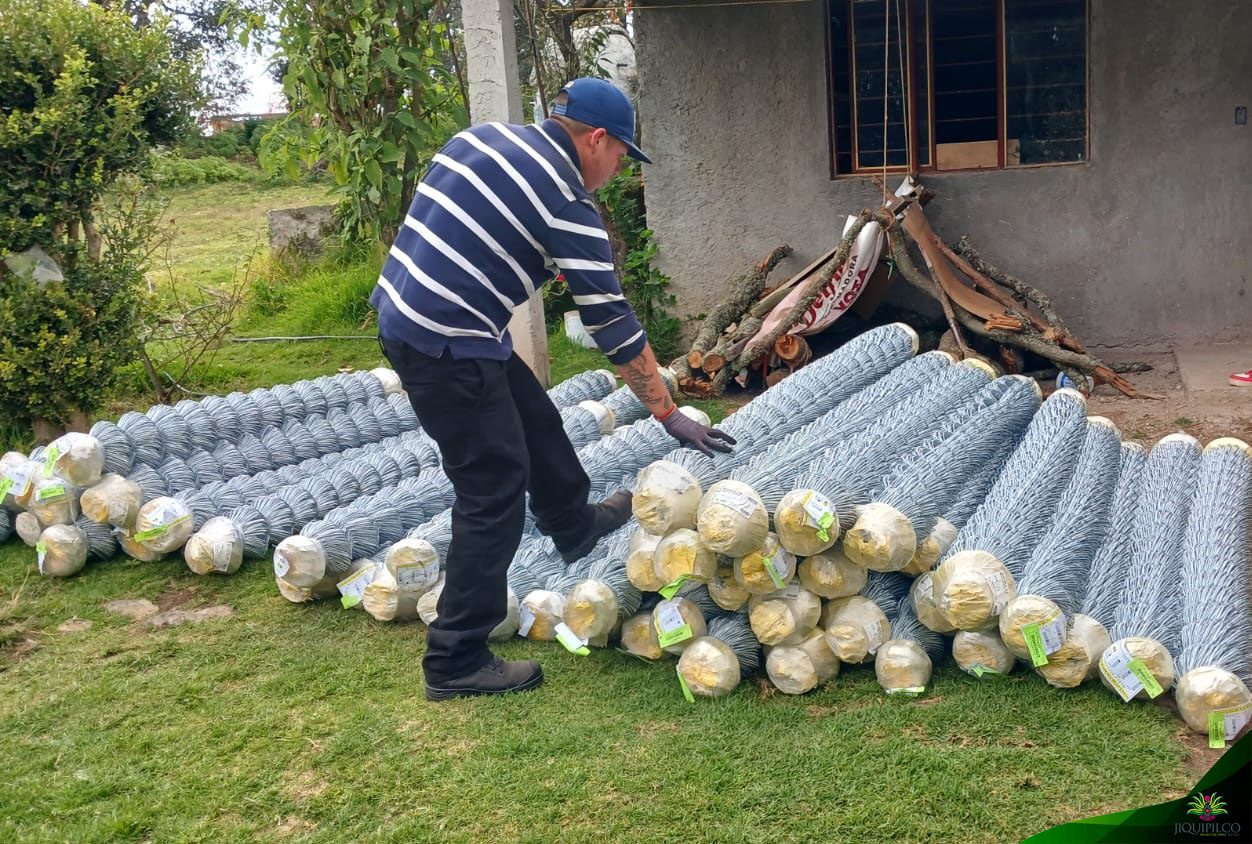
(1032, 609)
(385, 601)
(972, 588)
(414, 565)
(709, 667)
(1213, 694)
(61, 551)
(934, 546)
(164, 524)
(53, 501)
(902, 667)
(541, 612)
(922, 596)
(831, 574)
(28, 528)
(77, 458)
(665, 618)
(639, 636)
(113, 501)
(16, 474)
(786, 617)
(726, 591)
(604, 417)
(666, 498)
(640, 561)
(300, 561)
(979, 652)
(137, 550)
(683, 554)
(767, 569)
(855, 628)
(796, 669)
(1155, 657)
(591, 610)
(806, 522)
(882, 539)
(1078, 659)
(215, 548)
(327, 587)
(428, 603)
(732, 519)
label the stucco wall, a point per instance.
(1149, 242)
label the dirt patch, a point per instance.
(173, 618)
(656, 728)
(17, 641)
(173, 598)
(291, 825)
(74, 625)
(134, 609)
(305, 786)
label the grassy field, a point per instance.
(306, 723)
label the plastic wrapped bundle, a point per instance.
(17, 479)
(101, 541)
(922, 597)
(151, 485)
(933, 546)
(592, 385)
(163, 525)
(1215, 659)
(216, 548)
(27, 528)
(118, 456)
(640, 561)
(980, 652)
(61, 551)
(666, 497)
(53, 501)
(639, 637)
(174, 433)
(904, 664)
(725, 590)
(683, 555)
(596, 606)
(113, 501)
(388, 380)
(890, 529)
(700, 465)
(678, 623)
(312, 396)
(293, 407)
(786, 617)
(176, 474)
(767, 569)
(145, 438)
(327, 587)
(796, 669)
(716, 663)
(366, 423)
(1054, 579)
(1148, 623)
(831, 574)
(414, 565)
(76, 458)
(1078, 657)
(225, 418)
(251, 421)
(732, 519)
(388, 422)
(976, 578)
(205, 468)
(270, 408)
(541, 611)
(856, 627)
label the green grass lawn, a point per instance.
(306, 723)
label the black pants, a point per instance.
(500, 437)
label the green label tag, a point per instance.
(682, 682)
(1141, 671)
(823, 526)
(41, 553)
(1034, 644)
(49, 460)
(151, 533)
(570, 640)
(673, 637)
(671, 589)
(779, 583)
(979, 670)
(1217, 730)
(49, 492)
(6, 484)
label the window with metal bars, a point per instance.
(957, 84)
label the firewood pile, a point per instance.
(991, 314)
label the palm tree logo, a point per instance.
(1207, 806)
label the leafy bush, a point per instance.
(174, 171)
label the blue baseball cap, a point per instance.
(600, 103)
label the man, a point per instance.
(501, 209)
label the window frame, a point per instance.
(858, 172)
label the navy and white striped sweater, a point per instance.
(501, 210)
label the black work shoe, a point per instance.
(608, 516)
(495, 678)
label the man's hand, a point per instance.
(690, 432)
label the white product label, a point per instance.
(999, 585)
(221, 556)
(352, 588)
(668, 617)
(416, 575)
(119, 511)
(1053, 633)
(793, 590)
(670, 478)
(525, 620)
(819, 509)
(735, 500)
(570, 640)
(873, 633)
(281, 566)
(20, 475)
(776, 568)
(1233, 719)
(1115, 667)
(41, 554)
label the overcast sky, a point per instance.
(264, 94)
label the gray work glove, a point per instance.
(690, 432)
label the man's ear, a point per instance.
(597, 135)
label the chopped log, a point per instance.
(695, 358)
(793, 350)
(713, 362)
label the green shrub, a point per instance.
(174, 171)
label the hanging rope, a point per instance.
(905, 87)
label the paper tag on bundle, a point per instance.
(776, 568)
(1225, 724)
(222, 553)
(281, 565)
(21, 479)
(1044, 638)
(671, 478)
(49, 460)
(51, 492)
(820, 512)
(998, 583)
(671, 627)
(793, 590)
(873, 635)
(570, 640)
(352, 588)
(416, 575)
(669, 590)
(682, 684)
(118, 511)
(1127, 674)
(41, 554)
(525, 620)
(735, 500)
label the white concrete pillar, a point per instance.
(491, 67)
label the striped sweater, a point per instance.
(501, 210)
